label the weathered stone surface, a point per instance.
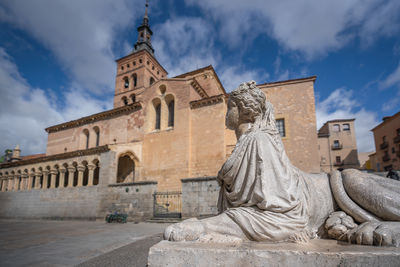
(318, 252)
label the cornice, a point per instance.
(95, 117)
(195, 84)
(207, 101)
(72, 154)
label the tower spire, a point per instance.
(144, 34)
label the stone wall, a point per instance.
(86, 203)
(199, 197)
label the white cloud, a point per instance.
(184, 44)
(80, 34)
(25, 111)
(232, 77)
(312, 27)
(391, 80)
(340, 104)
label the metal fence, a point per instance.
(167, 204)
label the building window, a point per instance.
(125, 100)
(86, 133)
(158, 116)
(346, 127)
(126, 82)
(97, 132)
(134, 78)
(133, 98)
(280, 124)
(384, 139)
(152, 80)
(338, 159)
(336, 143)
(171, 111)
(393, 150)
(336, 128)
(398, 131)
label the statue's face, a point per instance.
(232, 116)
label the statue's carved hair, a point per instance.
(250, 101)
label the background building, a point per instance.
(337, 145)
(387, 143)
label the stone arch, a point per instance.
(66, 175)
(156, 118)
(133, 98)
(85, 180)
(162, 89)
(84, 139)
(170, 102)
(96, 172)
(57, 182)
(124, 100)
(126, 167)
(125, 82)
(33, 180)
(96, 131)
(75, 178)
(47, 177)
(134, 80)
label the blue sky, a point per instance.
(57, 57)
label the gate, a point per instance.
(167, 204)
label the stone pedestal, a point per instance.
(314, 253)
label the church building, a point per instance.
(161, 130)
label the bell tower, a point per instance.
(138, 70)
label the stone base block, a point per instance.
(314, 253)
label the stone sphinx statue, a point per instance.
(263, 197)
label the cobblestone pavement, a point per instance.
(68, 243)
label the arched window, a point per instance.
(97, 132)
(86, 133)
(126, 169)
(158, 116)
(134, 78)
(133, 97)
(125, 100)
(171, 113)
(126, 82)
(151, 80)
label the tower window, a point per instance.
(134, 63)
(140, 61)
(148, 62)
(346, 127)
(133, 97)
(125, 100)
(152, 68)
(280, 125)
(126, 82)
(127, 65)
(122, 67)
(152, 80)
(134, 76)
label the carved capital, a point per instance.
(62, 170)
(54, 172)
(81, 168)
(91, 167)
(71, 169)
(38, 173)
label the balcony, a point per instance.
(396, 139)
(384, 145)
(386, 158)
(336, 146)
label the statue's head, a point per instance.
(246, 103)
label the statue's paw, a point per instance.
(338, 225)
(188, 230)
(363, 234)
